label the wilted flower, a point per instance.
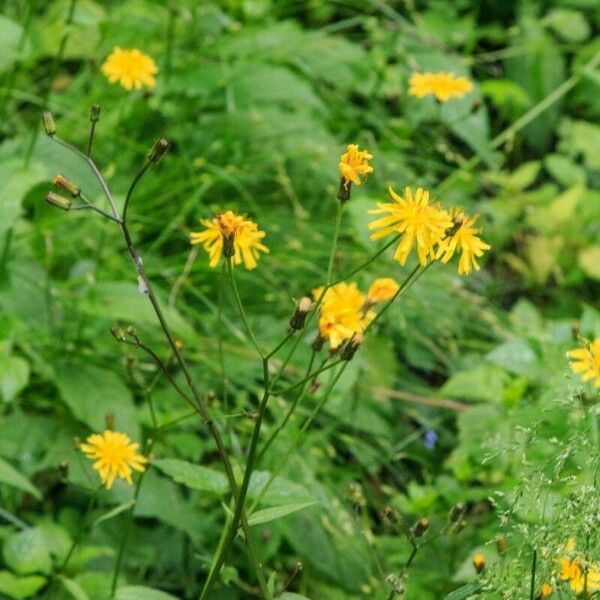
(131, 68)
(441, 85)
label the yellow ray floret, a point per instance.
(586, 361)
(354, 163)
(462, 237)
(343, 313)
(115, 456)
(382, 290)
(583, 577)
(443, 86)
(420, 224)
(131, 68)
(236, 229)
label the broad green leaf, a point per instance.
(74, 589)
(20, 588)
(138, 592)
(589, 261)
(281, 491)
(92, 393)
(14, 376)
(193, 476)
(570, 25)
(26, 552)
(465, 591)
(114, 512)
(485, 382)
(516, 356)
(10, 476)
(271, 514)
(564, 169)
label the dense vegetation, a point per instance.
(455, 456)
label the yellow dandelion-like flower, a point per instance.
(354, 163)
(115, 456)
(479, 562)
(131, 68)
(382, 289)
(586, 361)
(443, 86)
(463, 237)
(583, 577)
(231, 235)
(545, 591)
(420, 223)
(343, 313)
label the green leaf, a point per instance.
(26, 552)
(14, 376)
(10, 476)
(20, 588)
(10, 38)
(516, 356)
(74, 589)
(292, 596)
(91, 393)
(570, 25)
(564, 169)
(485, 382)
(465, 591)
(589, 261)
(193, 476)
(270, 514)
(139, 592)
(114, 512)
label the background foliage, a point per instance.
(259, 98)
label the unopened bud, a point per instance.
(58, 201)
(66, 185)
(109, 419)
(63, 469)
(95, 113)
(420, 527)
(299, 317)
(117, 332)
(158, 150)
(501, 545)
(459, 526)
(351, 346)
(49, 124)
(344, 190)
(456, 512)
(479, 562)
(317, 344)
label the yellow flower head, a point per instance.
(583, 577)
(382, 290)
(479, 562)
(463, 237)
(545, 591)
(342, 313)
(131, 68)
(419, 222)
(229, 234)
(442, 85)
(353, 164)
(586, 361)
(115, 456)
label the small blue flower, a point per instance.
(430, 439)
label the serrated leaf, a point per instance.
(277, 512)
(193, 476)
(10, 476)
(139, 592)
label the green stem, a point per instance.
(241, 310)
(533, 569)
(336, 233)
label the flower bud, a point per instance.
(351, 346)
(317, 344)
(95, 113)
(420, 527)
(479, 562)
(118, 333)
(66, 185)
(501, 545)
(298, 319)
(456, 512)
(58, 201)
(344, 190)
(109, 419)
(158, 150)
(49, 124)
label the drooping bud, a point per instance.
(298, 319)
(479, 562)
(351, 346)
(49, 124)
(158, 150)
(66, 185)
(95, 113)
(58, 201)
(456, 512)
(420, 527)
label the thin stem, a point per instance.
(241, 310)
(88, 151)
(336, 233)
(132, 187)
(281, 344)
(305, 379)
(533, 570)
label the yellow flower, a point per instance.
(463, 237)
(231, 235)
(115, 456)
(342, 313)
(545, 591)
(479, 561)
(442, 85)
(586, 361)
(353, 164)
(583, 577)
(421, 224)
(131, 68)
(382, 290)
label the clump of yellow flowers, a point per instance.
(583, 577)
(443, 86)
(130, 68)
(586, 361)
(115, 455)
